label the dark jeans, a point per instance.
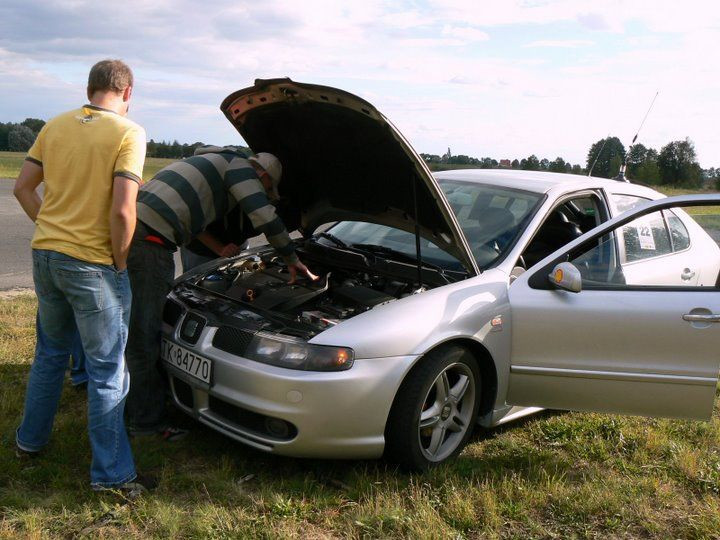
(151, 268)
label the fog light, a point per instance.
(277, 428)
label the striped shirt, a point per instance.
(186, 196)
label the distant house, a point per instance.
(505, 164)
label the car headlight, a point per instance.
(297, 354)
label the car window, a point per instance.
(646, 237)
(623, 203)
(491, 217)
(563, 224)
(695, 261)
(678, 232)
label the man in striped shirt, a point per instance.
(175, 207)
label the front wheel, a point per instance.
(435, 410)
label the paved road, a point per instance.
(16, 230)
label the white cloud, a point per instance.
(466, 33)
(561, 43)
(444, 70)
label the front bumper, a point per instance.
(325, 415)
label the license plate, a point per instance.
(185, 360)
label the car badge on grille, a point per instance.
(190, 328)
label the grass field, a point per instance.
(556, 475)
(10, 163)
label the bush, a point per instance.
(20, 138)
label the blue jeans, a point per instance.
(95, 299)
(78, 375)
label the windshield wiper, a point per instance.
(334, 239)
(384, 250)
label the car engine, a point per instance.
(339, 293)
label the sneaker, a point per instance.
(24, 454)
(173, 434)
(132, 489)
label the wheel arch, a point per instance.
(485, 362)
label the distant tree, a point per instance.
(20, 138)
(489, 163)
(515, 164)
(558, 165)
(577, 169)
(35, 124)
(544, 164)
(430, 158)
(530, 163)
(678, 164)
(568, 167)
(635, 158)
(609, 160)
(4, 130)
(648, 173)
(615, 164)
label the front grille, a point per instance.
(252, 421)
(192, 328)
(232, 340)
(172, 312)
(183, 391)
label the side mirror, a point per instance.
(566, 276)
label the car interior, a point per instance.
(565, 222)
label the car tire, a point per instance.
(442, 391)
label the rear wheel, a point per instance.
(435, 409)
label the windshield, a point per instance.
(491, 217)
(362, 234)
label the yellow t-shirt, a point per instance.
(81, 151)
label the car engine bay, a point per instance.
(262, 281)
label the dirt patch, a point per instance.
(14, 292)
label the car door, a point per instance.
(619, 344)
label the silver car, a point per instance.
(471, 297)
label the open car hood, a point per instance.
(343, 160)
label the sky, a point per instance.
(497, 78)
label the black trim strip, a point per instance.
(33, 160)
(129, 176)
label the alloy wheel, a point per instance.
(447, 411)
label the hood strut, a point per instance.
(415, 180)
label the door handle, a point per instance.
(698, 317)
(687, 274)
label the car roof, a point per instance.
(543, 182)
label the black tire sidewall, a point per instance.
(401, 438)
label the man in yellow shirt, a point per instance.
(91, 161)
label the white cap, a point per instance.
(271, 165)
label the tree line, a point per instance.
(675, 164)
(20, 137)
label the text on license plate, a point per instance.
(185, 360)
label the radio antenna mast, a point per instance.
(621, 175)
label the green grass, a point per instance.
(555, 475)
(10, 163)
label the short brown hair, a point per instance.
(114, 75)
